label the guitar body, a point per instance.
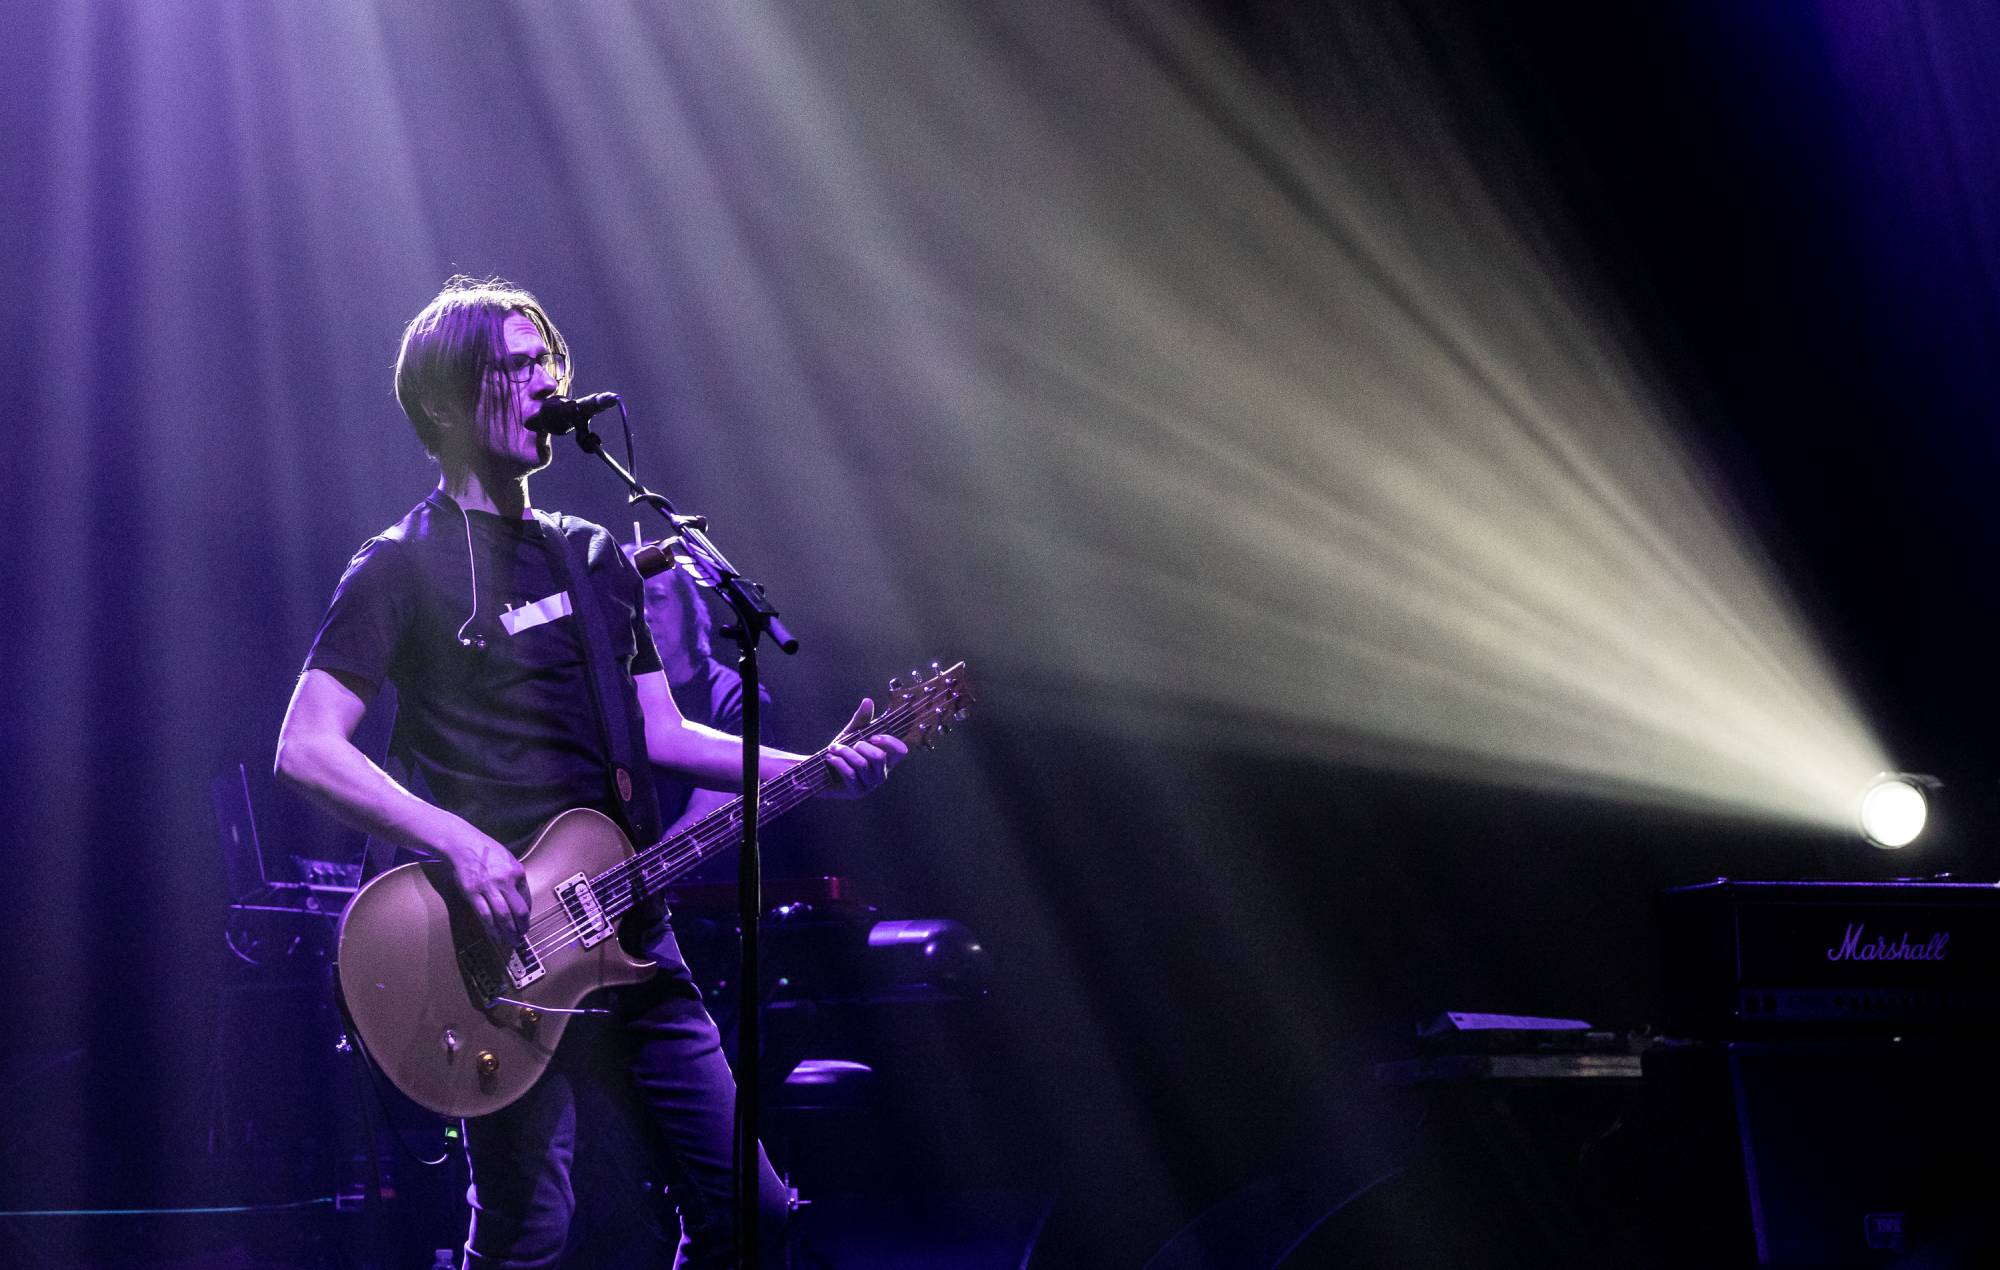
(425, 1023)
(464, 1027)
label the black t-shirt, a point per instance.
(505, 735)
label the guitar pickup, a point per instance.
(523, 967)
(586, 914)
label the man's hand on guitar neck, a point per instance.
(492, 883)
(863, 765)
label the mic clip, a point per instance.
(659, 503)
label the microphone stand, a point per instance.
(755, 618)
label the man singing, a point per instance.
(463, 605)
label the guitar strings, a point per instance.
(661, 862)
(614, 888)
(722, 826)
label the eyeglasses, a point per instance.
(520, 368)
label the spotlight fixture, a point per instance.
(1894, 808)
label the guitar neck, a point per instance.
(918, 712)
(674, 856)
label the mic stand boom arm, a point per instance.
(754, 618)
(702, 560)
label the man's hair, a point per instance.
(452, 349)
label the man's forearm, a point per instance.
(703, 756)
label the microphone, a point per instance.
(562, 415)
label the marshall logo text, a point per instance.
(1856, 946)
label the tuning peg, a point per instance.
(896, 684)
(961, 714)
(916, 676)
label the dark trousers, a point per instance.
(658, 1055)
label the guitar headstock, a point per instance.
(920, 706)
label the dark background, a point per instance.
(1199, 950)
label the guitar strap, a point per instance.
(623, 729)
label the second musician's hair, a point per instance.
(691, 618)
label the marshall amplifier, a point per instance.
(1749, 959)
(1817, 1154)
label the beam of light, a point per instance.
(1032, 334)
(1189, 407)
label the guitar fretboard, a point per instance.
(630, 882)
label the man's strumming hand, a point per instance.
(492, 882)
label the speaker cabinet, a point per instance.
(1825, 1154)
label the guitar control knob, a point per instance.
(489, 1064)
(530, 1018)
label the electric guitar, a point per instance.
(465, 1027)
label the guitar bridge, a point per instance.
(585, 912)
